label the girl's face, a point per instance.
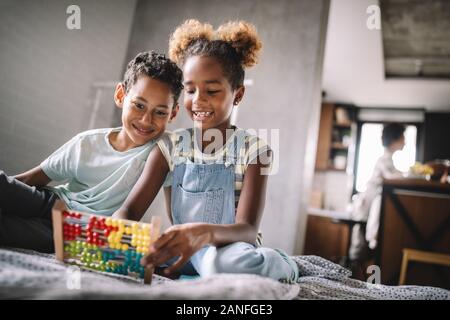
(208, 96)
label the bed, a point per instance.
(26, 274)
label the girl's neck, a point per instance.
(223, 128)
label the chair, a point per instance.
(421, 256)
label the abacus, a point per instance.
(103, 243)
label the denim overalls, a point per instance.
(206, 193)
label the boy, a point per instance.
(100, 166)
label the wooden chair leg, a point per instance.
(404, 268)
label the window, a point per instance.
(371, 148)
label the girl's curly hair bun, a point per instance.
(190, 31)
(243, 37)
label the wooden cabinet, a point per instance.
(336, 135)
(325, 238)
(416, 215)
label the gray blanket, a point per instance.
(30, 275)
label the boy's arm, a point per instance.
(34, 177)
(146, 188)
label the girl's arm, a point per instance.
(168, 199)
(34, 177)
(146, 188)
(249, 211)
(185, 239)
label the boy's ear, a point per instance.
(239, 94)
(119, 94)
(174, 112)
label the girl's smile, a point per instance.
(202, 115)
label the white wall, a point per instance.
(47, 72)
(354, 70)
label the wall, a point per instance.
(48, 71)
(285, 93)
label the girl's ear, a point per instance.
(238, 95)
(119, 95)
(174, 112)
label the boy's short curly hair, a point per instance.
(392, 132)
(236, 45)
(155, 66)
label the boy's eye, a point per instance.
(139, 106)
(213, 92)
(189, 91)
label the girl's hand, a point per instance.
(180, 240)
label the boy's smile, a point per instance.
(146, 110)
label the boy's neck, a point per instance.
(120, 141)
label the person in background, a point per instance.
(366, 205)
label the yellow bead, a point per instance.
(114, 223)
(133, 243)
(134, 226)
(127, 230)
(124, 247)
(144, 249)
(111, 238)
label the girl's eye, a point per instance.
(190, 91)
(161, 113)
(213, 92)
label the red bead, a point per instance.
(66, 214)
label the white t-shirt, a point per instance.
(98, 177)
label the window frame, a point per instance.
(420, 138)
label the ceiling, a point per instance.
(354, 64)
(416, 38)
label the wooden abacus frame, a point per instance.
(60, 215)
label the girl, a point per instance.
(217, 190)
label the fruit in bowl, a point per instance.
(419, 170)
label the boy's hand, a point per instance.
(179, 240)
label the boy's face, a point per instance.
(147, 108)
(208, 96)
